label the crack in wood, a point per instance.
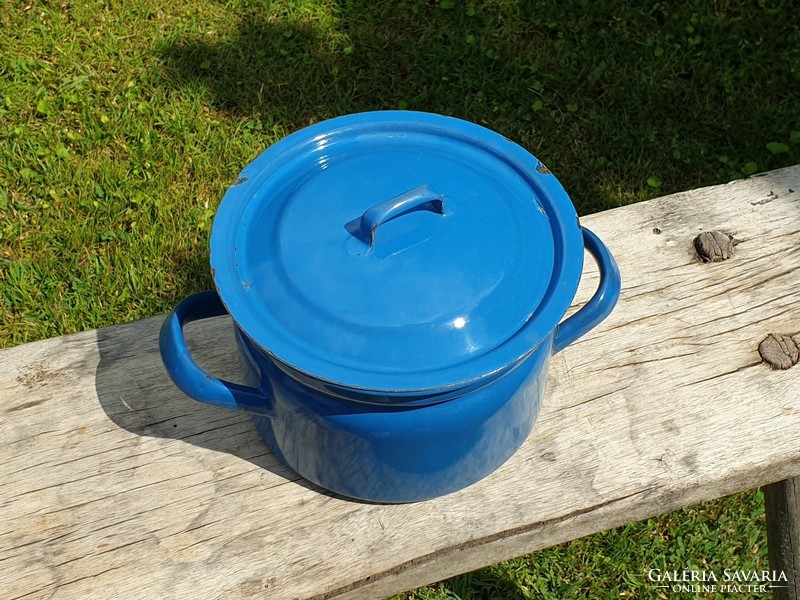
(737, 370)
(600, 397)
(481, 541)
(636, 362)
(654, 315)
(326, 543)
(30, 404)
(761, 282)
(198, 542)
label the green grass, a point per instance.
(122, 123)
(725, 533)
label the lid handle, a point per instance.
(420, 198)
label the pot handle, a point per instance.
(187, 374)
(420, 198)
(603, 301)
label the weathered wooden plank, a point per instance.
(117, 485)
(782, 504)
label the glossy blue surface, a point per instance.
(187, 375)
(396, 302)
(401, 453)
(601, 303)
(440, 297)
(365, 227)
(376, 452)
(370, 445)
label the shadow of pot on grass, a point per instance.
(288, 70)
(278, 73)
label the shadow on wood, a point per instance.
(132, 385)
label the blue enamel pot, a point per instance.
(398, 283)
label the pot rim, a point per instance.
(405, 397)
(541, 322)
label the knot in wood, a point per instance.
(714, 246)
(779, 351)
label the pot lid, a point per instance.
(396, 251)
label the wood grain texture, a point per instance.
(782, 507)
(115, 485)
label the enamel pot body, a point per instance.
(397, 283)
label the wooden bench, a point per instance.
(114, 484)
